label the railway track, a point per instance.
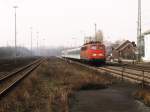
(9, 81)
(130, 73)
(134, 73)
(130, 66)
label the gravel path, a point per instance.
(117, 98)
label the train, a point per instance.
(93, 52)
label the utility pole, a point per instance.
(37, 43)
(139, 31)
(31, 40)
(95, 32)
(15, 7)
(43, 52)
(44, 43)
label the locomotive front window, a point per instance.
(93, 47)
(100, 47)
(97, 47)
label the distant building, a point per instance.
(125, 50)
(146, 45)
(99, 36)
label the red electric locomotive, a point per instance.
(93, 52)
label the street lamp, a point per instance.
(74, 42)
(44, 43)
(84, 35)
(31, 40)
(37, 43)
(15, 7)
(95, 31)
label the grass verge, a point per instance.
(49, 88)
(143, 95)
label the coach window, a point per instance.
(78, 51)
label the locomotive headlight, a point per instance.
(101, 54)
(94, 55)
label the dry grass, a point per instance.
(143, 95)
(49, 88)
(30, 96)
(66, 78)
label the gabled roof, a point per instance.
(126, 45)
(123, 44)
(146, 33)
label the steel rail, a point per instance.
(136, 74)
(24, 71)
(130, 66)
(17, 71)
(143, 78)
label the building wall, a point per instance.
(147, 47)
(99, 36)
(115, 54)
(127, 52)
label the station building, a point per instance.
(126, 50)
(146, 46)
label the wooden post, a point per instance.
(123, 69)
(143, 79)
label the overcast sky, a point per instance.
(65, 22)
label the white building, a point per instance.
(99, 36)
(146, 36)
